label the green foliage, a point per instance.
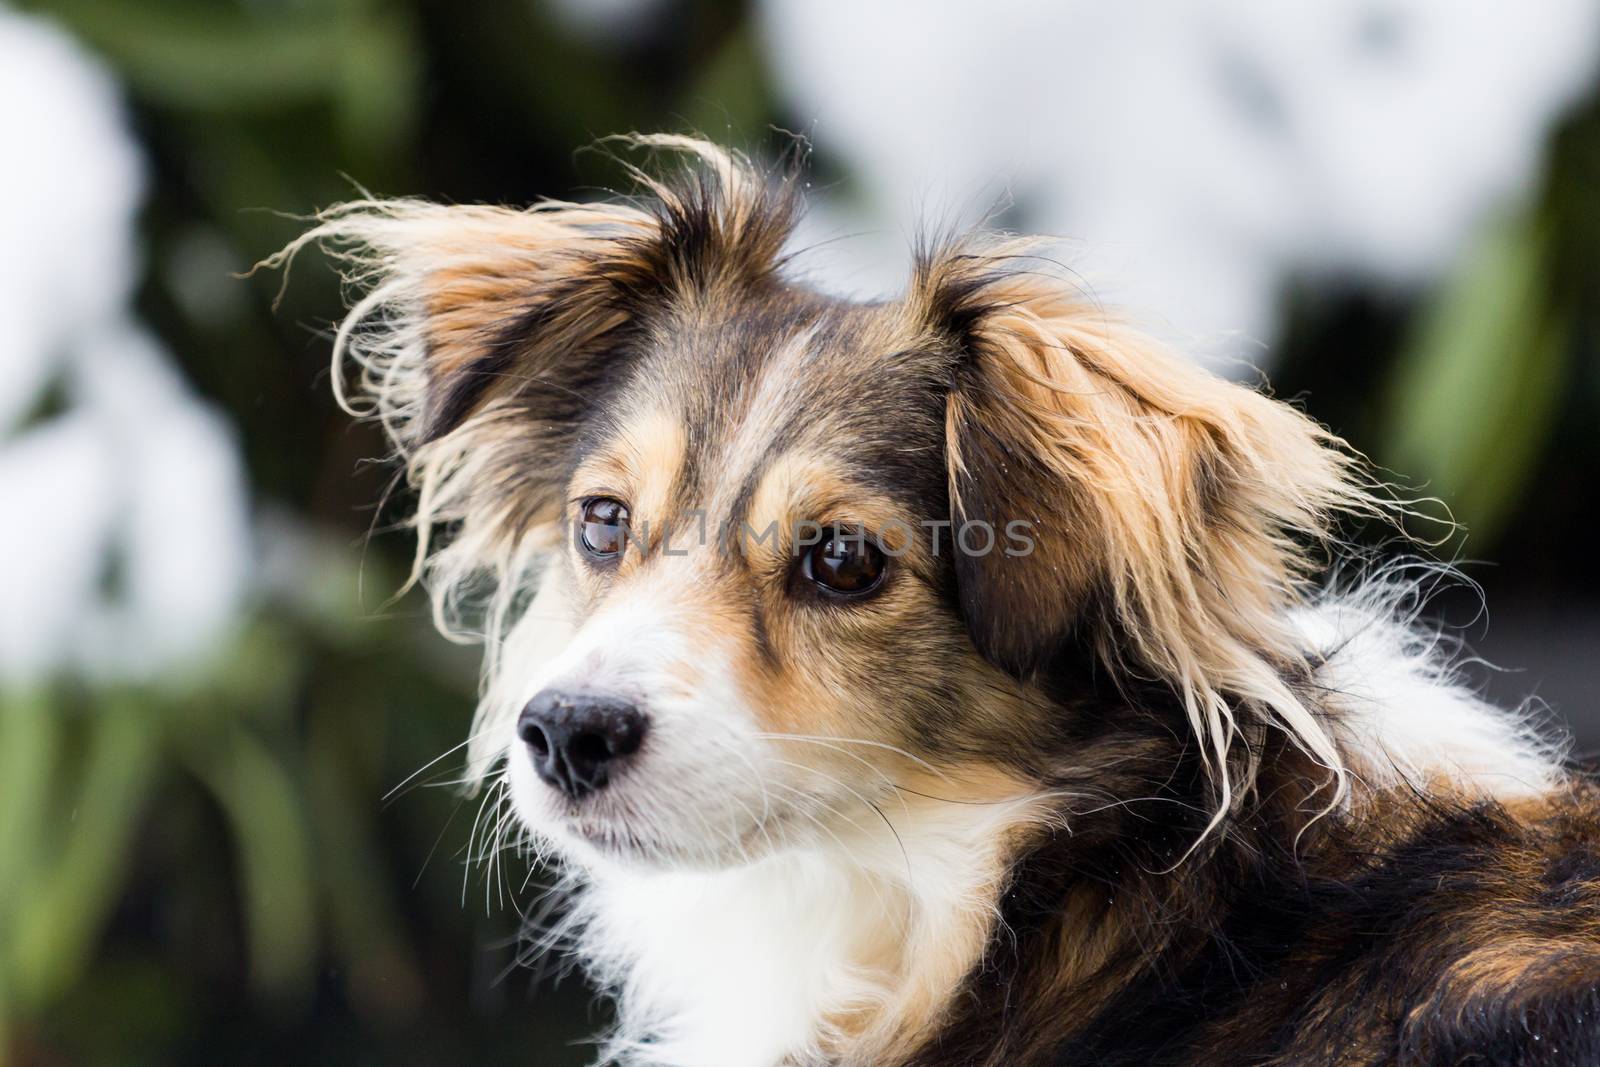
(89, 775)
(67, 875)
(1473, 398)
(1493, 369)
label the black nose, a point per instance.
(577, 742)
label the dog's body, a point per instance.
(836, 783)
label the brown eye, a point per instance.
(603, 527)
(845, 564)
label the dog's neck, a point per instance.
(839, 953)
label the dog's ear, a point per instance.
(1182, 502)
(1173, 515)
(482, 337)
(485, 303)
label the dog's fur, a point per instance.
(1143, 795)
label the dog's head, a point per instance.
(797, 557)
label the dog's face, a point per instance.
(756, 568)
(802, 559)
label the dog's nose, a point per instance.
(577, 742)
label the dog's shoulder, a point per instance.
(1517, 972)
(1432, 932)
(1426, 929)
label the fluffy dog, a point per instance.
(944, 681)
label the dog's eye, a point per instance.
(603, 527)
(845, 564)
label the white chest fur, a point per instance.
(821, 953)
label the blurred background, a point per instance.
(221, 837)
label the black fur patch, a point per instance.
(1472, 938)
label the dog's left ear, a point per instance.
(1172, 514)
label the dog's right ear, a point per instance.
(490, 304)
(483, 337)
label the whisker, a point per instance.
(472, 835)
(830, 743)
(412, 776)
(454, 811)
(759, 779)
(856, 741)
(904, 854)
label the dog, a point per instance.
(946, 680)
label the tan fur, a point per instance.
(1199, 502)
